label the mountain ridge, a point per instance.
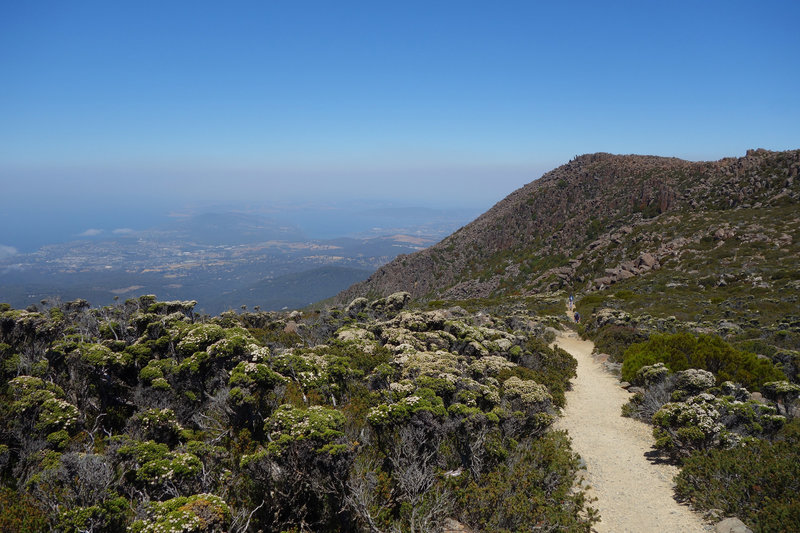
(538, 237)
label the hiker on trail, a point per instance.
(571, 302)
(577, 317)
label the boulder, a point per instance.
(647, 260)
(732, 525)
(723, 234)
(624, 274)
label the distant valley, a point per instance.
(222, 260)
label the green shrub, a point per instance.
(758, 482)
(534, 488)
(705, 422)
(317, 425)
(681, 351)
(614, 340)
(552, 367)
(109, 515)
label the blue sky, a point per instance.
(436, 102)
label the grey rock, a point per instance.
(732, 525)
(647, 260)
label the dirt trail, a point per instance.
(633, 494)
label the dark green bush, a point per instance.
(681, 351)
(614, 340)
(758, 482)
(518, 495)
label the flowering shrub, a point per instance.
(158, 425)
(706, 421)
(188, 424)
(108, 515)
(491, 365)
(651, 374)
(200, 513)
(529, 393)
(694, 380)
(153, 465)
(42, 404)
(318, 425)
(399, 412)
(197, 337)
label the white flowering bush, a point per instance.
(651, 374)
(159, 425)
(197, 337)
(41, 405)
(319, 426)
(706, 421)
(258, 354)
(530, 393)
(437, 364)
(490, 365)
(694, 380)
(397, 413)
(396, 337)
(155, 468)
(100, 355)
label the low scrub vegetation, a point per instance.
(738, 451)
(758, 481)
(682, 351)
(146, 417)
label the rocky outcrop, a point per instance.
(626, 270)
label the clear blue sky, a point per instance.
(455, 101)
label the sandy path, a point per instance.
(633, 494)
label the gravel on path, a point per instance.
(634, 494)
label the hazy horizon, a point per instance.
(118, 113)
(316, 220)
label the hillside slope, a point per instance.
(603, 219)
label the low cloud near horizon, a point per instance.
(91, 232)
(7, 251)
